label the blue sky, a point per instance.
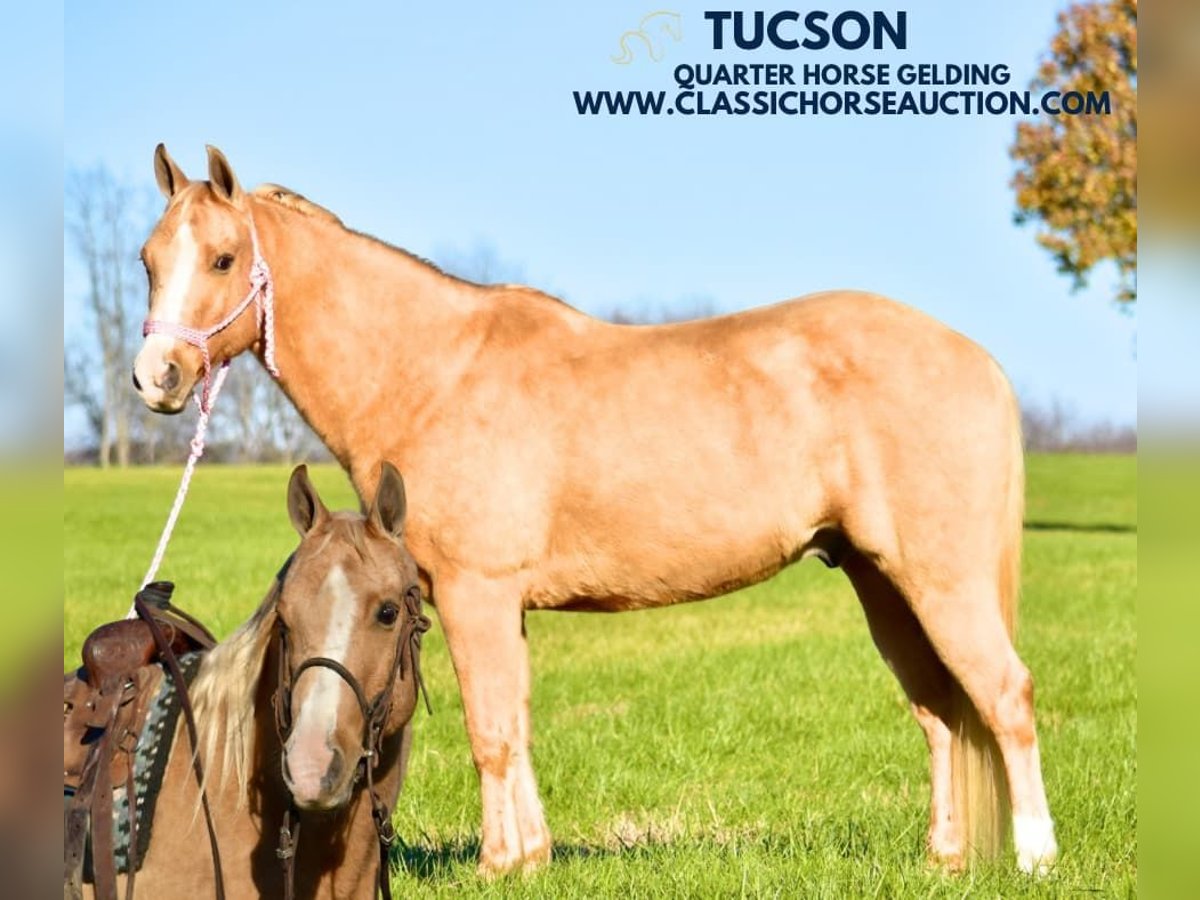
(437, 126)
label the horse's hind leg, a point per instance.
(930, 690)
(967, 629)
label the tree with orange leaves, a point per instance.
(1077, 175)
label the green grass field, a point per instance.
(752, 745)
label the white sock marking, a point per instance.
(1033, 839)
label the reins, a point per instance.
(375, 713)
(189, 714)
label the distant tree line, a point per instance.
(1055, 428)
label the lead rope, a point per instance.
(197, 450)
(262, 295)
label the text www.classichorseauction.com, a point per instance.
(769, 89)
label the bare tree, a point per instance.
(105, 223)
(256, 422)
(291, 438)
(483, 264)
(480, 263)
(80, 388)
(689, 308)
(241, 411)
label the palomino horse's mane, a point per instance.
(292, 200)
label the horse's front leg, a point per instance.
(485, 631)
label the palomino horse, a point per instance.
(559, 462)
(341, 624)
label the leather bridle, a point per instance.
(375, 712)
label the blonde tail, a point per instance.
(981, 802)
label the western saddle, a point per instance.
(105, 706)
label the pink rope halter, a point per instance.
(261, 294)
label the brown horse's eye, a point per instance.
(224, 261)
(388, 613)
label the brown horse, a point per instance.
(559, 462)
(350, 595)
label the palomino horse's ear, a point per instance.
(220, 174)
(304, 505)
(169, 176)
(390, 505)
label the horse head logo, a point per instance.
(653, 32)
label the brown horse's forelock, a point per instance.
(346, 528)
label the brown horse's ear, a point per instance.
(390, 505)
(220, 175)
(169, 176)
(304, 505)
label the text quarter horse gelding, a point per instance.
(555, 461)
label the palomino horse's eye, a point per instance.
(388, 613)
(224, 261)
